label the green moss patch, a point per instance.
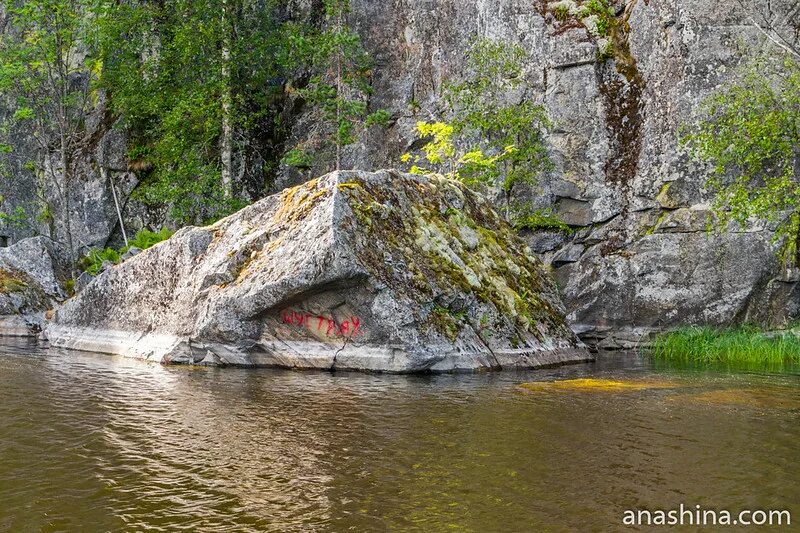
(452, 243)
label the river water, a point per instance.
(99, 443)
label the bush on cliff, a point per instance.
(93, 261)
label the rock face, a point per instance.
(31, 272)
(360, 271)
(640, 258)
(93, 215)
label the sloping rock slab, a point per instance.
(31, 272)
(355, 271)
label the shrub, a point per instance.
(539, 219)
(144, 238)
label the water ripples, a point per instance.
(101, 443)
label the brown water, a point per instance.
(100, 443)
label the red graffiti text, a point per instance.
(322, 324)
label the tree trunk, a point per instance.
(67, 189)
(338, 95)
(104, 173)
(226, 141)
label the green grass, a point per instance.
(742, 346)
(540, 220)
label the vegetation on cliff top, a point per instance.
(749, 134)
(489, 136)
(93, 261)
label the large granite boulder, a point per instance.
(361, 271)
(31, 275)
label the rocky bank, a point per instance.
(32, 273)
(351, 271)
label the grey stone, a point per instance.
(132, 251)
(618, 170)
(354, 271)
(83, 280)
(31, 275)
(568, 254)
(541, 242)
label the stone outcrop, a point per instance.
(354, 271)
(31, 274)
(92, 212)
(640, 258)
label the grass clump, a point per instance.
(540, 220)
(743, 346)
(145, 239)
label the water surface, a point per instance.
(99, 443)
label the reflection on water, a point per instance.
(95, 443)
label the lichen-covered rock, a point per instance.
(619, 167)
(381, 272)
(31, 272)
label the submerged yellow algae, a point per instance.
(773, 397)
(596, 385)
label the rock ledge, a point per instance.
(353, 271)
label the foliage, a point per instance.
(299, 158)
(750, 135)
(597, 16)
(145, 238)
(16, 218)
(538, 219)
(93, 261)
(48, 62)
(171, 69)
(340, 89)
(490, 137)
(740, 346)
(562, 10)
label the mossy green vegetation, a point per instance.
(596, 16)
(483, 140)
(453, 244)
(11, 282)
(540, 220)
(743, 346)
(24, 289)
(93, 261)
(748, 134)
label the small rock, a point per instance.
(83, 280)
(133, 250)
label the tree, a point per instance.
(47, 64)
(340, 88)
(196, 84)
(492, 135)
(749, 132)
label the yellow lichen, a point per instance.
(349, 186)
(10, 282)
(297, 202)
